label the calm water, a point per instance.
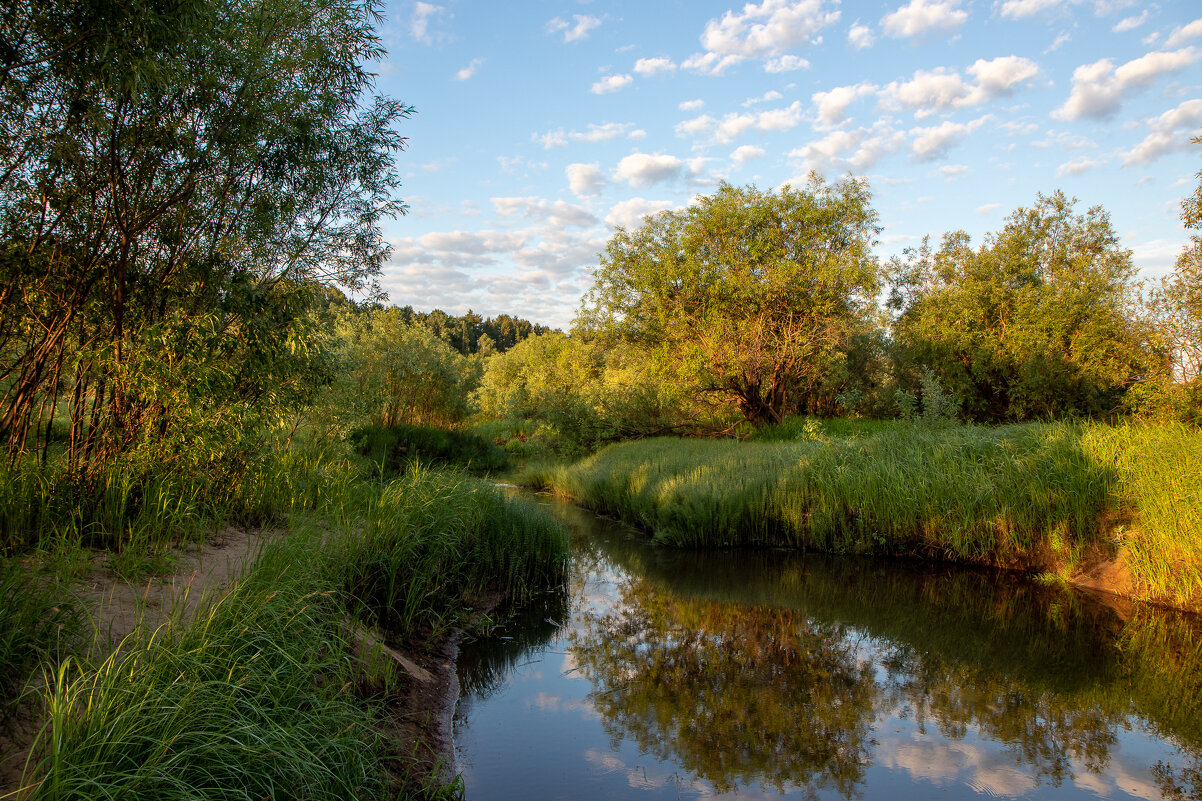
(662, 674)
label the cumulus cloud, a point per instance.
(951, 172)
(832, 104)
(923, 17)
(1170, 131)
(745, 153)
(630, 213)
(1184, 33)
(857, 150)
(469, 70)
(766, 31)
(560, 214)
(468, 248)
(585, 179)
(573, 31)
(611, 83)
(733, 125)
(766, 97)
(593, 133)
(929, 92)
(644, 169)
(932, 143)
(419, 25)
(988, 207)
(860, 36)
(1100, 88)
(649, 67)
(691, 105)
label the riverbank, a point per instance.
(315, 671)
(1118, 509)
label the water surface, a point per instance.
(765, 674)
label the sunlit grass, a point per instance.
(1039, 496)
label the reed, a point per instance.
(1045, 497)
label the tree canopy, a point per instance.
(176, 179)
(1041, 320)
(753, 295)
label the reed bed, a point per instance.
(1045, 497)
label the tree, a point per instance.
(754, 295)
(1042, 319)
(178, 179)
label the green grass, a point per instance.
(393, 448)
(1037, 496)
(263, 694)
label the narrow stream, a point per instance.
(768, 674)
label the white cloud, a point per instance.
(745, 153)
(711, 63)
(648, 67)
(560, 214)
(767, 29)
(857, 150)
(921, 17)
(1130, 23)
(419, 26)
(1077, 166)
(732, 126)
(691, 105)
(644, 169)
(466, 248)
(1057, 42)
(629, 213)
(1184, 33)
(573, 32)
(933, 143)
(951, 172)
(585, 179)
(469, 70)
(1021, 9)
(832, 104)
(1100, 88)
(941, 89)
(766, 97)
(786, 63)
(860, 36)
(988, 207)
(1170, 131)
(611, 83)
(594, 133)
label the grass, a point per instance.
(266, 692)
(1037, 496)
(393, 448)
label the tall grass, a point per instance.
(261, 695)
(1041, 496)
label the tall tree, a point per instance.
(754, 294)
(176, 178)
(1042, 319)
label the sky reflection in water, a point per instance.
(768, 674)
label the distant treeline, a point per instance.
(469, 333)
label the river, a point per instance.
(766, 674)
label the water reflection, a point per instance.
(776, 673)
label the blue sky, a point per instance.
(542, 125)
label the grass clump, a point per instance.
(1039, 496)
(394, 447)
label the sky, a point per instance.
(540, 127)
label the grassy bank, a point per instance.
(267, 691)
(1047, 497)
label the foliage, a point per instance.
(582, 392)
(178, 180)
(752, 296)
(396, 447)
(1039, 321)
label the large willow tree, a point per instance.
(176, 178)
(752, 295)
